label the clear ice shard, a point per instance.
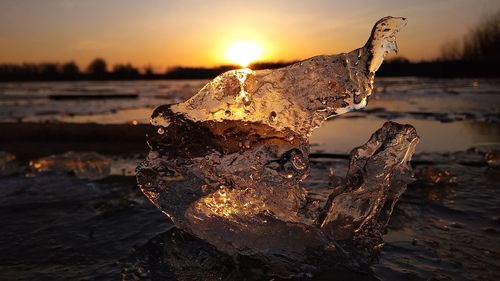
(227, 164)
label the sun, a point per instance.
(243, 52)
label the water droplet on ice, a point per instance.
(246, 101)
(259, 155)
(246, 143)
(153, 155)
(298, 162)
(272, 117)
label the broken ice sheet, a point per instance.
(85, 165)
(227, 164)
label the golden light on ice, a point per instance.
(243, 52)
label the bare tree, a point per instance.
(97, 67)
(480, 44)
(483, 42)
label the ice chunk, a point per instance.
(378, 175)
(227, 164)
(298, 97)
(435, 176)
(87, 165)
(176, 255)
(7, 163)
(492, 158)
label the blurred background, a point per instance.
(79, 80)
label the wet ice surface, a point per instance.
(60, 227)
(445, 232)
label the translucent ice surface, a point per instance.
(227, 164)
(298, 97)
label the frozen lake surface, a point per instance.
(445, 227)
(449, 114)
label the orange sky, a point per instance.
(197, 33)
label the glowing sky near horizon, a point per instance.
(198, 33)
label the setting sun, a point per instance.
(243, 52)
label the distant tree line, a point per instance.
(98, 70)
(480, 44)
